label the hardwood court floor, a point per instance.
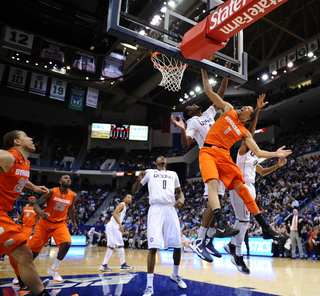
(80, 270)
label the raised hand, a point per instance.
(283, 153)
(178, 123)
(282, 161)
(260, 101)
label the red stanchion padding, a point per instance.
(235, 15)
(196, 46)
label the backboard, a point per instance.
(160, 26)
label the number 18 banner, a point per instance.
(38, 84)
(58, 89)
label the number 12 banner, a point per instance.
(58, 89)
(18, 40)
(38, 84)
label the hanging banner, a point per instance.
(18, 40)
(273, 67)
(313, 46)
(282, 63)
(2, 67)
(92, 97)
(17, 78)
(52, 51)
(292, 57)
(58, 89)
(38, 84)
(84, 62)
(113, 66)
(301, 52)
(76, 99)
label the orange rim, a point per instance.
(164, 67)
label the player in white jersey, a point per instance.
(163, 221)
(198, 125)
(248, 163)
(114, 231)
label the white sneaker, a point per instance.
(15, 281)
(178, 280)
(55, 274)
(148, 291)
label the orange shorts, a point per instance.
(11, 236)
(44, 230)
(26, 230)
(216, 163)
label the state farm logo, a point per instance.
(244, 12)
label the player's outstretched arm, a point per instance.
(35, 188)
(185, 140)
(260, 105)
(40, 202)
(137, 185)
(224, 106)
(266, 171)
(252, 145)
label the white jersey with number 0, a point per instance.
(120, 215)
(247, 165)
(161, 185)
(198, 126)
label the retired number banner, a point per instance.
(38, 84)
(58, 89)
(92, 97)
(18, 40)
(17, 78)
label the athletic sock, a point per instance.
(21, 283)
(44, 293)
(202, 232)
(107, 257)
(150, 280)
(235, 226)
(175, 270)
(56, 264)
(121, 255)
(210, 232)
(218, 214)
(240, 237)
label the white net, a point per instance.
(171, 69)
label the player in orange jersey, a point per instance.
(14, 176)
(52, 222)
(28, 219)
(216, 163)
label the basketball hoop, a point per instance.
(171, 69)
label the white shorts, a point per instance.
(240, 209)
(221, 189)
(163, 224)
(114, 235)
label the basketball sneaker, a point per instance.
(15, 281)
(24, 291)
(239, 263)
(230, 249)
(223, 230)
(124, 266)
(148, 291)
(104, 267)
(268, 233)
(200, 249)
(55, 274)
(178, 280)
(210, 248)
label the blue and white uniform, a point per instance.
(114, 235)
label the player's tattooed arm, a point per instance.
(40, 202)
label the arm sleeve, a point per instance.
(146, 178)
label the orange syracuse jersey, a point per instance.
(29, 216)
